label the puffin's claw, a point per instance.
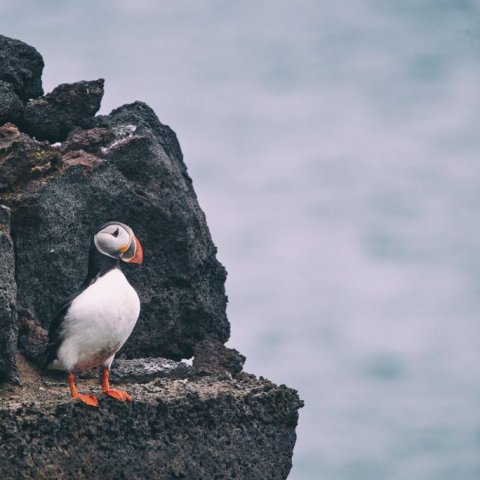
(87, 399)
(119, 395)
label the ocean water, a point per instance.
(334, 147)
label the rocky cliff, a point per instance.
(63, 172)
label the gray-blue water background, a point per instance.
(334, 146)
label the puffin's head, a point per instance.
(116, 240)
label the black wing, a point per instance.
(55, 332)
(98, 265)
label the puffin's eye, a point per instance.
(115, 233)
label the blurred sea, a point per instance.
(334, 147)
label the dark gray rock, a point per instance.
(143, 370)
(11, 107)
(202, 428)
(5, 220)
(128, 167)
(23, 162)
(211, 357)
(54, 116)
(185, 422)
(8, 293)
(21, 66)
(51, 117)
(137, 370)
(91, 140)
(32, 337)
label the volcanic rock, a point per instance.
(212, 356)
(32, 337)
(144, 370)
(8, 293)
(129, 168)
(54, 116)
(208, 427)
(126, 166)
(21, 66)
(204, 421)
(136, 370)
(11, 107)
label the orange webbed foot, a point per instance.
(119, 395)
(87, 399)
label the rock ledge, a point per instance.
(204, 421)
(195, 428)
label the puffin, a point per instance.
(97, 320)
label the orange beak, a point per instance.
(138, 253)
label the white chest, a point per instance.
(99, 321)
(111, 302)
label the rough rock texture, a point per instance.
(32, 337)
(54, 116)
(199, 422)
(137, 370)
(200, 428)
(11, 107)
(21, 66)
(23, 163)
(211, 356)
(143, 370)
(8, 293)
(129, 168)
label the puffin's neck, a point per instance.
(98, 264)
